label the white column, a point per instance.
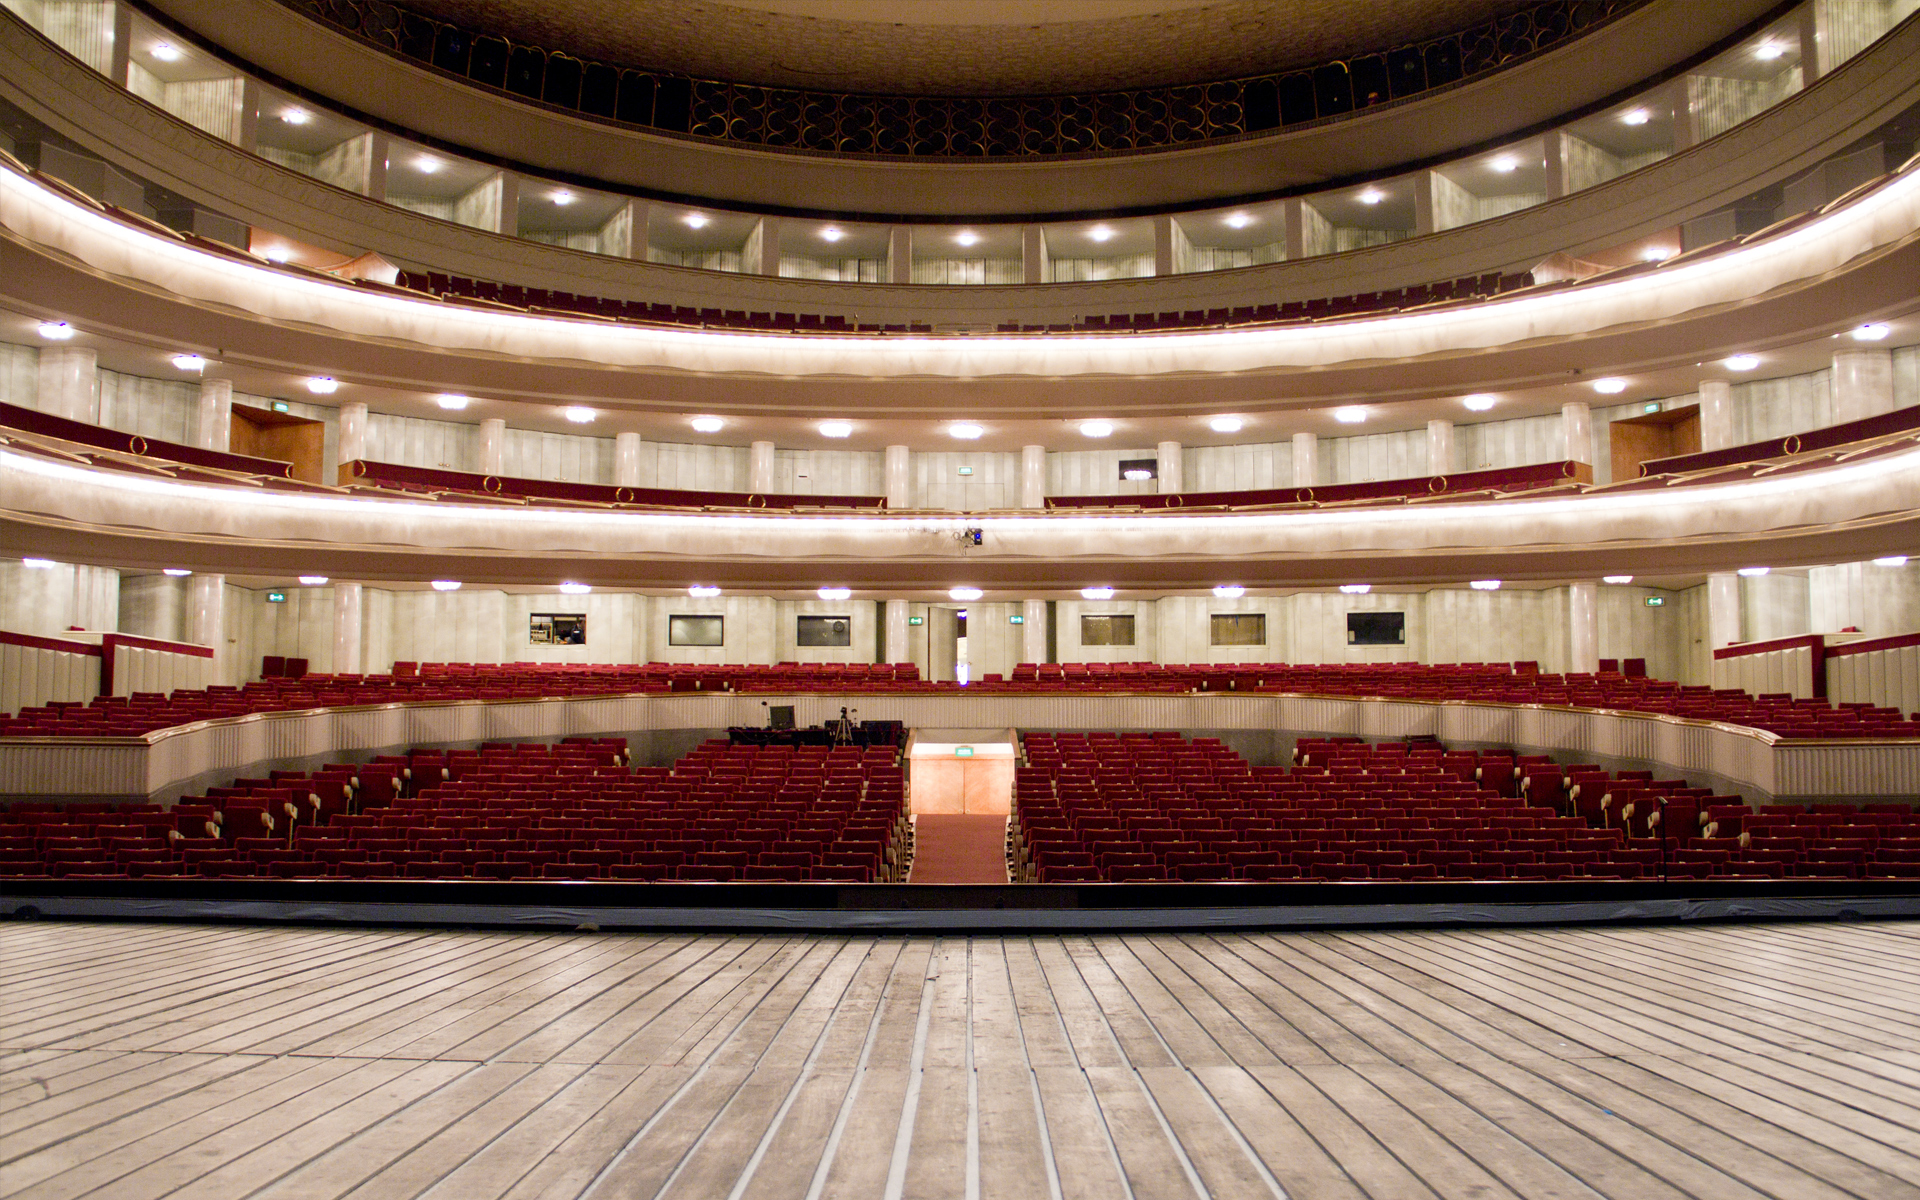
(1033, 254)
(1716, 414)
(1423, 217)
(1576, 420)
(379, 151)
(1033, 631)
(213, 420)
(896, 631)
(207, 618)
(1293, 219)
(899, 481)
(769, 263)
(760, 468)
(353, 436)
(900, 254)
(509, 223)
(1814, 49)
(1306, 460)
(1033, 477)
(70, 383)
(1172, 468)
(493, 446)
(1162, 244)
(1583, 627)
(626, 459)
(1723, 610)
(1862, 383)
(346, 629)
(1439, 447)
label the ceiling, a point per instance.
(979, 47)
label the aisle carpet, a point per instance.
(959, 849)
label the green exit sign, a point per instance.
(966, 470)
(276, 597)
(1016, 619)
(282, 406)
(1656, 601)
(916, 620)
(963, 751)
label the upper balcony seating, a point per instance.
(1516, 683)
(1466, 485)
(470, 485)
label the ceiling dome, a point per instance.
(981, 48)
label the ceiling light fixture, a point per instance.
(696, 220)
(562, 197)
(176, 572)
(1096, 429)
(578, 414)
(1635, 116)
(452, 401)
(323, 385)
(1238, 220)
(1356, 589)
(831, 234)
(1506, 164)
(296, 116)
(1229, 591)
(1485, 585)
(1478, 402)
(1100, 233)
(38, 564)
(189, 362)
(967, 237)
(1874, 332)
(1741, 362)
(166, 52)
(703, 591)
(1096, 593)
(965, 431)
(1891, 560)
(1226, 424)
(575, 589)
(1657, 253)
(1616, 579)
(707, 424)
(277, 253)
(1350, 415)
(427, 164)
(446, 585)
(835, 593)
(836, 429)
(965, 593)
(1371, 196)
(1136, 475)
(57, 331)
(312, 580)
(1769, 50)
(1609, 386)
(1752, 572)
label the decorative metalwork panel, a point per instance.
(960, 127)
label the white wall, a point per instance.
(937, 482)
(1879, 601)
(46, 601)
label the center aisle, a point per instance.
(959, 849)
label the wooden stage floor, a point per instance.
(231, 1061)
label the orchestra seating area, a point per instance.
(1136, 807)
(572, 811)
(1507, 683)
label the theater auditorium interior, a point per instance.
(1082, 598)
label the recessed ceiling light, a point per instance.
(1752, 572)
(1096, 593)
(1616, 579)
(831, 234)
(562, 197)
(446, 585)
(835, 593)
(1238, 220)
(707, 424)
(1891, 560)
(189, 362)
(575, 589)
(427, 164)
(1356, 589)
(1136, 474)
(965, 430)
(38, 564)
(1096, 429)
(296, 116)
(967, 237)
(322, 385)
(1229, 591)
(1485, 585)
(1226, 424)
(1505, 164)
(57, 331)
(1371, 196)
(1741, 362)
(836, 429)
(176, 572)
(578, 414)
(1656, 253)
(1478, 402)
(312, 580)
(696, 220)
(1351, 415)
(1100, 233)
(1769, 50)
(965, 593)
(452, 401)
(166, 52)
(1635, 116)
(1874, 332)
(703, 590)
(277, 253)
(1609, 386)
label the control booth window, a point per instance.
(696, 631)
(557, 629)
(1376, 629)
(823, 631)
(1239, 629)
(1112, 629)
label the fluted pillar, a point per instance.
(1439, 447)
(1171, 468)
(1723, 610)
(896, 632)
(1716, 414)
(213, 418)
(760, 468)
(493, 446)
(626, 459)
(207, 618)
(346, 628)
(1033, 477)
(1583, 627)
(1576, 421)
(899, 481)
(70, 383)
(1862, 383)
(353, 436)
(1033, 631)
(1306, 460)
